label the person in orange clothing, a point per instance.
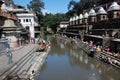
(98, 49)
(42, 46)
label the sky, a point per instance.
(51, 6)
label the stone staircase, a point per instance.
(17, 68)
(38, 61)
(27, 65)
(23, 63)
(31, 61)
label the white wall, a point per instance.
(29, 24)
(63, 25)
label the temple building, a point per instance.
(7, 24)
(17, 24)
(29, 21)
(99, 25)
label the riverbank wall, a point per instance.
(25, 61)
(104, 56)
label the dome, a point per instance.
(86, 15)
(114, 6)
(73, 18)
(70, 19)
(101, 11)
(76, 17)
(80, 16)
(9, 23)
(92, 12)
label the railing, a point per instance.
(8, 15)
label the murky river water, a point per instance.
(67, 62)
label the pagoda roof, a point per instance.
(114, 6)
(70, 19)
(92, 12)
(76, 17)
(80, 16)
(86, 15)
(101, 11)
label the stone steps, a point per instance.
(27, 65)
(18, 65)
(31, 61)
(22, 64)
(38, 62)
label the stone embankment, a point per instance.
(104, 56)
(23, 67)
(38, 62)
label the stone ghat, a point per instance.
(35, 65)
(104, 56)
(24, 68)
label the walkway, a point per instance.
(17, 55)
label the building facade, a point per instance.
(28, 22)
(28, 19)
(17, 22)
(99, 24)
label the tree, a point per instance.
(71, 3)
(53, 20)
(79, 7)
(36, 6)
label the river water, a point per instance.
(68, 62)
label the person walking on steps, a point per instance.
(9, 54)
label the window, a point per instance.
(19, 20)
(94, 20)
(23, 20)
(26, 20)
(103, 17)
(27, 28)
(118, 15)
(29, 20)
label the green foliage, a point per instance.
(36, 5)
(101, 2)
(82, 5)
(71, 3)
(52, 20)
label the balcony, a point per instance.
(8, 15)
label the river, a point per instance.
(68, 62)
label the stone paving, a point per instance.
(17, 54)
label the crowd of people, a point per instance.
(104, 54)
